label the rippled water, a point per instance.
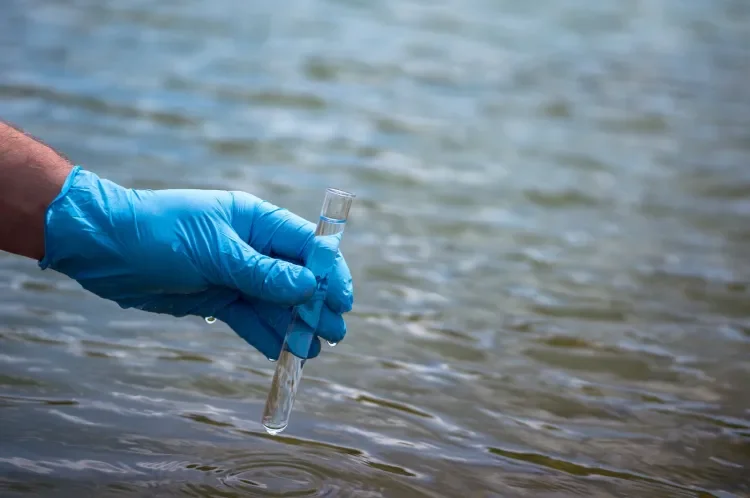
(550, 246)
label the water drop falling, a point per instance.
(332, 344)
(210, 320)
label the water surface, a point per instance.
(550, 247)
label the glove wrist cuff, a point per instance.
(46, 260)
(77, 219)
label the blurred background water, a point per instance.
(550, 247)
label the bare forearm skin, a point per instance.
(31, 176)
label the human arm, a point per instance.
(31, 175)
(182, 252)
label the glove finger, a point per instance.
(292, 238)
(263, 277)
(331, 326)
(243, 319)
(340, 295)
(279, 231)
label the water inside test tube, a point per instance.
(283, 390)
(288, 372)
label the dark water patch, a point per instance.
(203, 419)
(576, 469)
(392, 405)
(190, 357)
(43, 401)
(603, 313)
(97, 354)
(391, 469)
(296, 441)
(561, 199)
(95, 105)
(19, 381)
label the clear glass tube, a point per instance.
(301, 332)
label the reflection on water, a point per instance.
(550, 247)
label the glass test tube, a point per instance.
(301, 332)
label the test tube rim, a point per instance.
(340, 193)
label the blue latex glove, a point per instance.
(193, 252)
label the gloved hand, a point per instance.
(193, 252)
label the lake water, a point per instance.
(550, 247)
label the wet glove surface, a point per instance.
(194, 252)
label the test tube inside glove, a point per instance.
(301, 332)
